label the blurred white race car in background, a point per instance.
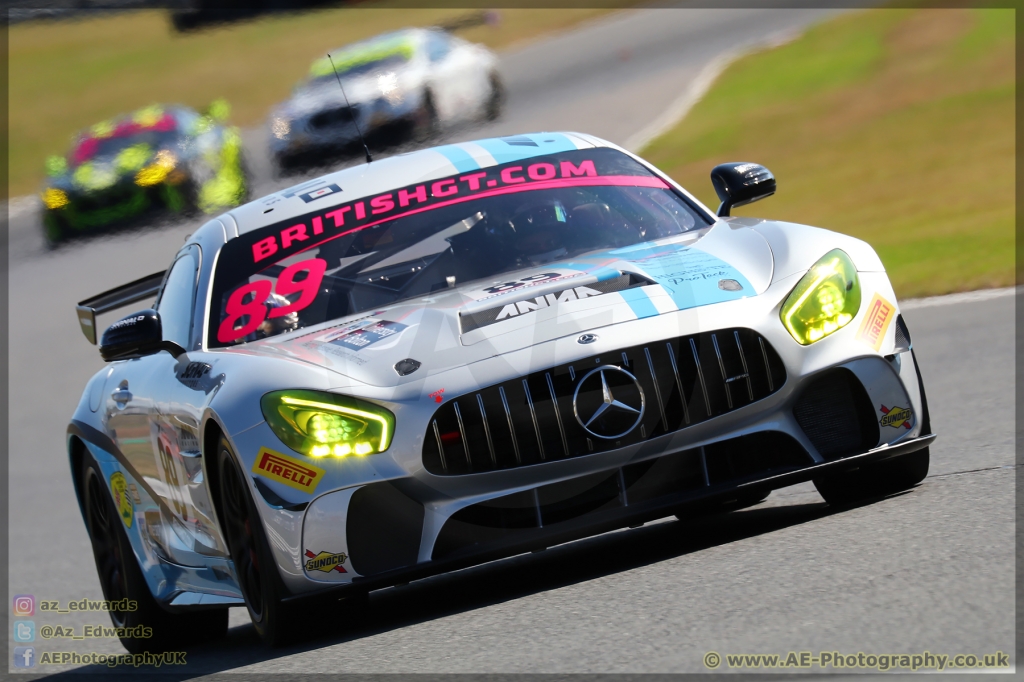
(407, 83)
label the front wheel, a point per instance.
(425, 122)
(875, 480)
(496, 100)
(55, 228)
(278, 622)
(275, 621)
(148, 626)
(882, 478)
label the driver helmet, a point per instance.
(271, 326)
(541, 232)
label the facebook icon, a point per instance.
(24, 656)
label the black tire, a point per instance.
(874, 480)
(882, 478)
(276, 622)
(55, 228)
(496, 102)
(121, 577)
(425, 124)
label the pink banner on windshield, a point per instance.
(311, 231)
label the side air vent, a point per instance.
(836, 414)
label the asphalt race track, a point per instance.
(931, 569)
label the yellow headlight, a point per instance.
(320, 424)
(156, 172)
(54, 198)
(824, 301)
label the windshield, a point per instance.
(444, 233)
(386, 64)
(113, 138)
(387, 53)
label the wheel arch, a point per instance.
(76, 457)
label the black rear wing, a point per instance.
(117, 297)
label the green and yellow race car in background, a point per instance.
(159, 157)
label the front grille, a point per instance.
(333, 118)
(533, 419)
(122, 195)
(836, 414)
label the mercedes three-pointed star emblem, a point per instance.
(616, 409)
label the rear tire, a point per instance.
(874, 480)
(121, 577)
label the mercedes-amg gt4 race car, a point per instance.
(168, 158)
(414, 82)
(465, 353)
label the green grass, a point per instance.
(895, 126)
(67, 75)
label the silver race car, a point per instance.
(413, 82)
(466, 353)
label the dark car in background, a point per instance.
(155, 160)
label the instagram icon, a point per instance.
(24, 605)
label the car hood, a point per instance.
(462, 325)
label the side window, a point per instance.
(177, 298)
(438, 47)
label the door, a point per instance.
(184, 387)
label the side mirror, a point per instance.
(218, 110)
(135, 336)
(738, 184)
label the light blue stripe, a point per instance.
(689, 275)
(547, 143)
(459, 158)
(639, 302)
(601, 272)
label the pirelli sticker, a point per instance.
(876, 322)
(288, 470)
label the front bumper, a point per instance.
(621, 515)
(121, 204)
(332, 128)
